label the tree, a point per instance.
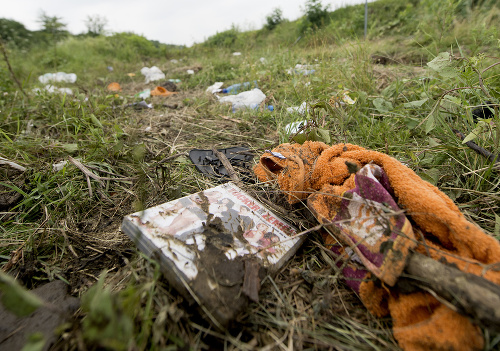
(273, 19)
(54, 29)
(316, 14)
(96, 25)
(14, 33)
(53, 26)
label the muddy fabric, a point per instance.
(327, 177)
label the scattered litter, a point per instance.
(139, 105)
(148, 129)
(161, 91)
(236, 53)
(53, 89)
(276, 154)
(189, 71)
(56, 167)
(131, 75)
(174, 61)
(302, 69)
(294, 127)
(57, 77)
(302, 109)
(247, 99)
(216, 88)
(110, 68)
(114, 87)
(170, 86)
(144, 94)
(209, 164)
(235, 88)
(341, 99)
(152, 74)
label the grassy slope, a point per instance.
(63, 233)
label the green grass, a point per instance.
(401, 109)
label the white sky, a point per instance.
(181, 22)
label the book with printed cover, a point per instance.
(208, 242)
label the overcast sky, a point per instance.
(181, 22)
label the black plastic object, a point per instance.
(209, 164)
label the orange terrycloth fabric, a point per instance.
(441, 229)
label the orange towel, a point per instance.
(441, 231)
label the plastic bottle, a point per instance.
(233, 89)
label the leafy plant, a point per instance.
(274, 19)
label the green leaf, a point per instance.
(382, 105)
(96, 121)
(319, 134)
(430, 124)
(70, 148)
(453, 99)
(431, 175)
(300, 138)
(17, 299)
(444, 65)
(480, 128)
(36, 342)
(433, 142)
(416, 103)
(411, 122)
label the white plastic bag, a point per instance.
(247, 99)
(215, 88)
(152, 74)
(302, 109)
(57, 77)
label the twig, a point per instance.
(4, 161)
(6, 58)
(87, 172)
(172, 157)
(229, 168)
(483, 152)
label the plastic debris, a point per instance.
(276, 154)
(110, 68)
(341, 99)
(189, 71)
(236, 53)
(302, 69)
(235, 88)
(152, 74)
(174, 80)
(114, 87)
(52, 89)
(161, 91)
(294, 127)
(56, 167)
(57, 77)
(170, 86)
(144, 94)
(302, 109)
(131, 75)
(140, 105)
(247, 99)
(174, 61)
(215, 88)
